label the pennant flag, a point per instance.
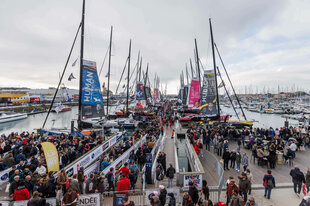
(74, 63)
(71, 77)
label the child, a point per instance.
(59, 195)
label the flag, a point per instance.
(74, 63)
(71, 77)
(221, 85)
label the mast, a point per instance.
(128, 76)
(108, 94)
(81, 64)
(214, 67)
(198, 67)
(140, 69)
(190, 61)
(186, 74)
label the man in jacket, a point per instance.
(298, 178)
(21, 193)
(162, 194)
(231, 186)
(226, 158)
(170, 174)
(123, 184)
(81, 179)
(90, 185)
(244, 186)
(193, 192)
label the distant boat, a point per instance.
(10, 116)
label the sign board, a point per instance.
(118, 199)
(148, 167)
(196, 178)
(89, 200)
(150, 193)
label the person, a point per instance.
(226, 158)
(172, 135)
(81, 180)
(90, 186)
(187, 200)
(251, 202)
(205, 190)
(308, 180)
(62, 179)
(268, 183)
(236, 199)
(305, 200)
(238, 161)
(162, 194)
(250, 178)
(244, 186)
(231, 186)
(41, 170)
(73, 184)
(21, 193)
(34, 201)
(124, 170)
(28, 184)
(123, 184)
(170, 174)
(297, 178)
(127, 202)
(59, 194)
(172, 201)
(193, 192)
(70, 198)
(209, 203)
(110, 178)
(133, 179)
(245, 161)
(233, 155)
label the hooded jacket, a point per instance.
(21, 193)
(123, 184)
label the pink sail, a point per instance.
(194, 95)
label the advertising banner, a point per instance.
(195, 178)
(150, 193)
(89, 200)
(140, 91)
(208, 99)
(51, 156)
(92, 102)
(185, 94)
(194, 95)
(50, 201)
(92, 156)
(148, 168)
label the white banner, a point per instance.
(195, 178)
(89, 200)
(89, 158)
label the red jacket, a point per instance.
(123, 184)
(197, 149)
(21, 193)
(124, 171)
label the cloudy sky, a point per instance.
(263, 43)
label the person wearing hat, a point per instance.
(155, 201)
(172, 201)
(14, 185)
(231, 186)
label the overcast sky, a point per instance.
(263, 43)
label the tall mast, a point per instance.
(186, 74)
(140, 69)
(128, 77)
(214, 67)
(198, 67)
(81, 64)
(108, 95)
(190, 61)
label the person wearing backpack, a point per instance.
(268, 183)
(193, 192)
(170, 174)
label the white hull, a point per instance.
(9, 117)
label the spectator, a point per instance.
(298, 178)
(59, 194)
(187, 200)
(162, 194)
(14, 185)
(245, 161)
(28, 184)
(124, 170)
(269, 183)
(21, 193)
(123, 184)
(193, 192)
(170, 174)
(231, 186)
(205, 190)
(110, 178)
(251, 202)
(81, 179)
(172, 201)
(34, 201)
(41, 170)
(244, 186)
(236, 199)
(62, 179)
(90, 185)
(127, 202)
(70, 198)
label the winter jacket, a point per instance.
(297, 176)
(308, 179)
(162, 196)
(123, 184)
(244, 184)
(21, 193)
(230, 188)
(269, 177)
(193, 192)
(90, 186)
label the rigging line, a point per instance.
(105, 56)
(121, 76)
(63, 73)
